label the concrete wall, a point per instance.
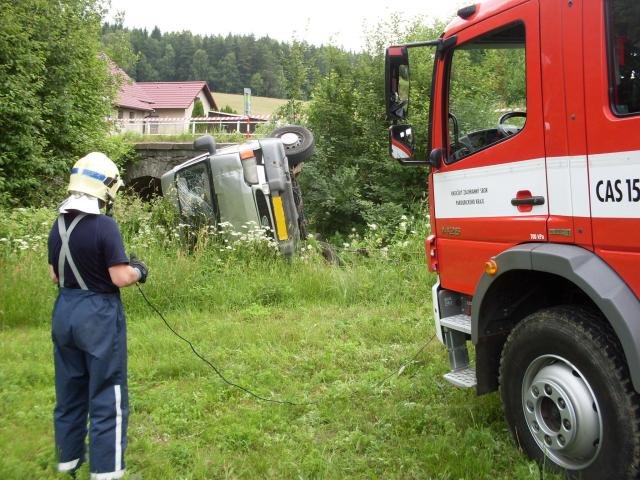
(154, 159)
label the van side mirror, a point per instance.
(206, 142)
(397, 82)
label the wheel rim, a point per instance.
(562, 412)
(290, 139)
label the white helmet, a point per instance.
(96, 175)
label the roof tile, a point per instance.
(149, 96)
(173, 94)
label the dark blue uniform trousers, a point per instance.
(90, 354)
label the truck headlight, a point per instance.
(249, 167)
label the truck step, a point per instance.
(465, 378)
(460, 323)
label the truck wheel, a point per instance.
(567, 395)
(298, 143)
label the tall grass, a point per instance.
(331, 338)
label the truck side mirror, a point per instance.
(435, 158)
(397, 82)
(401, 142)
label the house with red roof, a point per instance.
(158, 107)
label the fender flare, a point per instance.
(588, 272)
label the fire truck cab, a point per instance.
(533, 144)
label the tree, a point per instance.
(228, 77)
(116, 43)
(295, 70)
(200, 68)
(351, 180)
(228, 109)
(145, 72)
(198, 112)
(245, 51)
(257, 84)
(166, 69)
(55, 94)
(198, 109)
(184, 46)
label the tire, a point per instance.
(298, 142)
(567, 396)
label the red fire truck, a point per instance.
(533, 143)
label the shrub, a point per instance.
(55, 94)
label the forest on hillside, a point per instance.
(227, 63)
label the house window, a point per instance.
(120, 114)
(487, 91)
(624, 55)
(132, 116)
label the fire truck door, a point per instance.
(491, 191)
(612, 102)
(564, 116)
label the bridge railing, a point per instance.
(195, 126)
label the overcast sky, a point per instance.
(338, 22)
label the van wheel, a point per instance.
(298, 142)
(567, 395)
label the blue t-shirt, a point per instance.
(95, 245)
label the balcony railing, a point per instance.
(195, 126)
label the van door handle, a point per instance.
(534, 200)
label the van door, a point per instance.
(612, 102)
(491, 191)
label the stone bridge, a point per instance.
(152, 161)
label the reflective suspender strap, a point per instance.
(65, 253)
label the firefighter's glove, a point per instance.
(140, 266)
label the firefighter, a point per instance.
(88, 263)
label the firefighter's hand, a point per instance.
(140, 266)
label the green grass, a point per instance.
(307, 332)
(188, 137)
(259, 105)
